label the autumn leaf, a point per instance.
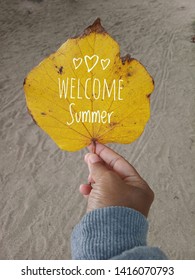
(86, 92)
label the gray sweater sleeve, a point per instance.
(112, 233)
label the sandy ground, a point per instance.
(39, 198)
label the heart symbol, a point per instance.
(105, 63)
(89, 61)
(77, 62)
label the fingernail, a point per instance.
(93, 158)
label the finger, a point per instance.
(88, 154)
(90, 179)
(96, 166)
(85, 189)
(125, 170)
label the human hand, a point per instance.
(114, 182)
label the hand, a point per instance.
(114, 182)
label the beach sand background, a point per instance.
(39, 198)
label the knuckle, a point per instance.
(115, 160)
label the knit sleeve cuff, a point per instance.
(107, 232)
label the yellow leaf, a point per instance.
(86, 92)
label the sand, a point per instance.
(39, 198)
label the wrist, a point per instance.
(106, 232)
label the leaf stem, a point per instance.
(93, 141)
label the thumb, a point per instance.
(96, 166)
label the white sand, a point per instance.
(39, 198)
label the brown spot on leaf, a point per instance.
(148, 95)
(95, 27)
(126, 58)
(112, 124)
(43, 114)
(60, 70)
(128, 74)
(32, 116)
(24, 82)
(193, 39)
